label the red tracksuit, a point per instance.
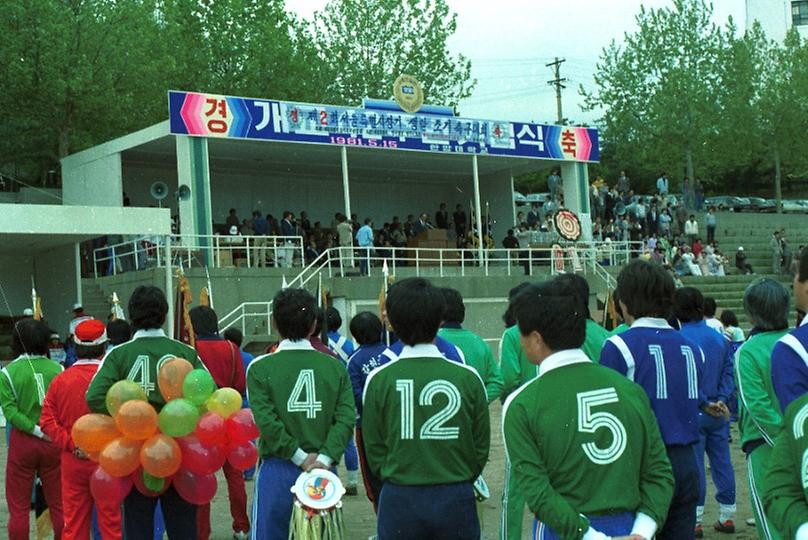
(223, 360)
(64, 404)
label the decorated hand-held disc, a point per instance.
(567, 225)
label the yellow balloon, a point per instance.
(224, 402)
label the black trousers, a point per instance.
(681, 521)
(178, 514)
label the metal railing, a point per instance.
(442, 262)
(196, 250)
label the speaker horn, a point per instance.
(159, 190)
(183, 193)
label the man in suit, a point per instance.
(421, 225)
(442, 217)
(288, 229)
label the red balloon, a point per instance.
(137, 479)
(243, 457)
(241, 426)
(109, 489)
(195, 488)
(200, 459)
(211, 430)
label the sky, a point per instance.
(510, 45)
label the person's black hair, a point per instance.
(508, 317)
(415, 309)
(118, 331)
(367, 221)
(147, 308)
(293, 311)
(710, 307)
(30, 336)
(333, 319)
(319, 319)
(617, 308)
(554, 310)
(802, 269)
(232, 210)
(234, 336)
(455, 308)
(366, 328)
(204, 321)
(646, 289)
(688, 304)
(728, 318)
(90, 351)
(580, 287)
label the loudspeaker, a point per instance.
(183, 193)
(159, 190)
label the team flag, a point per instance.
(183, 330)
(116, 312)
(204, 297)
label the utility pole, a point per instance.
(558, 83)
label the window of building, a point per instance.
(799, 13)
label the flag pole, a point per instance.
(385, 285)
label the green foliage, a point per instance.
(77, 73)
(685, 96)
(365, 44)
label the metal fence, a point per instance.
(216, 251)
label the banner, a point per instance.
(213, 115)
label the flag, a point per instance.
(387, 280)
(610, 318)
(284, 284)
(183, 330)
(117, 310)
(37, 302)
(204, 298)
(322, 303)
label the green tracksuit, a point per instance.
(759, 416)
(516, 371)
(425, 420)
(23, 383)
(596, 336)
(302, 402)
(620, 329)
(478, 355)
(572, 432)
(138, 360)
(785, 488)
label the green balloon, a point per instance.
(121, 392)
(198, 386)
(178, 418)
(153, 483)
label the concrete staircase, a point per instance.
(95, 300)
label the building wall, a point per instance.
(93, 183)
(57, 287)
(774, 17)
(16, 282)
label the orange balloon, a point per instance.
(171, 376)
(92, 432)
(137, 420)
(121, 457)
(161, 456)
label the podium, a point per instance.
(433, 239)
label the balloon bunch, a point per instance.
(197, 430)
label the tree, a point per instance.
(658, 88)
(73, 73)
(783, 105)
(365, 44)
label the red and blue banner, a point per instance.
(212, 115)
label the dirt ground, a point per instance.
(361, 522)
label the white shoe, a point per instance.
(241, 535)
(750, 521)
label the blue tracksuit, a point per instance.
(667, 366)
(790, 365)
(340, 345)
(718, 382)
(364, 360)
(447, 349)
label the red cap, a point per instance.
(90, 332)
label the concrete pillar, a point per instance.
(346, 189)
(576, 194)
(193, 170)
